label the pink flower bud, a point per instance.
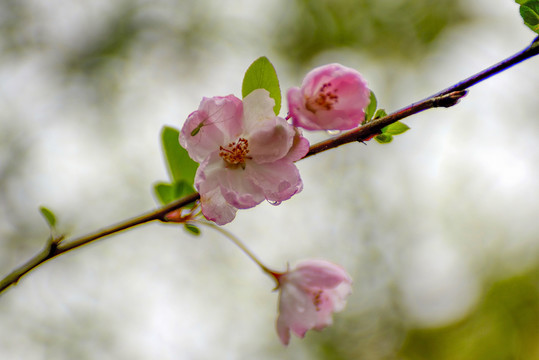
(332, 97)
(309, 294)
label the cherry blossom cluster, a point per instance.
(246, 155)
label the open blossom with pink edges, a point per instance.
(309, 294)
(246, 154)
(332, 97)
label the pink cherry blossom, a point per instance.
(332, 97)
(246, 154)
(309, 294)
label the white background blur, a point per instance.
(421, 224)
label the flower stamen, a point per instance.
(325, 99)
(317, 299)
(236, 152)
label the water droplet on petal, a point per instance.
(274, 203)
(333, 132)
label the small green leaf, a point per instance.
(262, 75)
(49, 216)
(192, 229)
(531, 17)
(371, 108)
(167, 193)
(164, 193)
(180, 166)
(529, 11)
(396, 128)
(383, 138)
(380, 113)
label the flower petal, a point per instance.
(217, 121)
(309, 294)
(296, 312)
(318, 76)
(216, 208)
(300, 147)
(235, 186)
(332, 97)
(278, 180)
(257, 108)
(213, 203)
(320, 273)
(339, 294)
(283, 330)
(271, 140)
(239, 189)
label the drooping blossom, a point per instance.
(309, 294)
(246, 154)
(332, 97)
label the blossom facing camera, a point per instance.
(309, 294)
(246, 154)
(332, 97)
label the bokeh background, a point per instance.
(439, 229)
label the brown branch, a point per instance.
(374, 127)
(445, 98)
(57, 247)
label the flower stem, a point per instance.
(241, 245)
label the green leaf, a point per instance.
(396, 128)
(167, 193)
(192, 229)
(261, 75)
(49, 216)
(529, 11)
(371, 108)
(533, 4)
(164, 193)
(383, 138)
(180, 166)
(380, 113)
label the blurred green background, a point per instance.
(438, 229)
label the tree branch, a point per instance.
(57, 247)
(374, 127)
(444, 98)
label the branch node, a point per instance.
(450, 99)
(53, 243)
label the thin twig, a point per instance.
(374, 127)
(240, 245)
(53, 249)
(444, 98)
